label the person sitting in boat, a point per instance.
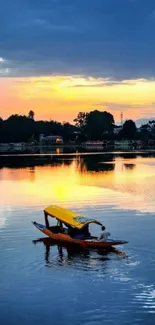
(104, 234)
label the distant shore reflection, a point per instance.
(64, 179)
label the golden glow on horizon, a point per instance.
(62, 97)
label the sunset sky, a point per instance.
(59, 57)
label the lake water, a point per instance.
(45, 284)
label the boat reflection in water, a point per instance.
(67, 255)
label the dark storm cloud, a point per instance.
(103, 38)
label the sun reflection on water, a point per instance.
(126, 184)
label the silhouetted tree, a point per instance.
(98, 124)
(94, 125)
(81, 120)
(47, 128)
(31, 114)
(16, 128)
(143, 135)
(129, 130)
(68, 131)
(1, 122)
(19, 128)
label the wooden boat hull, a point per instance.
(64, 238)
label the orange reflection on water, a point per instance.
(126, 184)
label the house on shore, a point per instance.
(125, 145)
(50, 139)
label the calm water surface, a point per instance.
(45, 284)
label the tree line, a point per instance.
(95, 125)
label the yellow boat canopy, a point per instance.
(69, 217)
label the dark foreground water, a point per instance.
(43, 284)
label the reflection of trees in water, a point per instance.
(129, 166)
(30, 165)
(135, 155)
(32, 173)
(32, 161)
(83, 164)
(96, 163)
(128, 155)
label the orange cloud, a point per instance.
(62, 97)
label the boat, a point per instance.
(73, 229)
(70, 254)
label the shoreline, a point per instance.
(80, 153)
